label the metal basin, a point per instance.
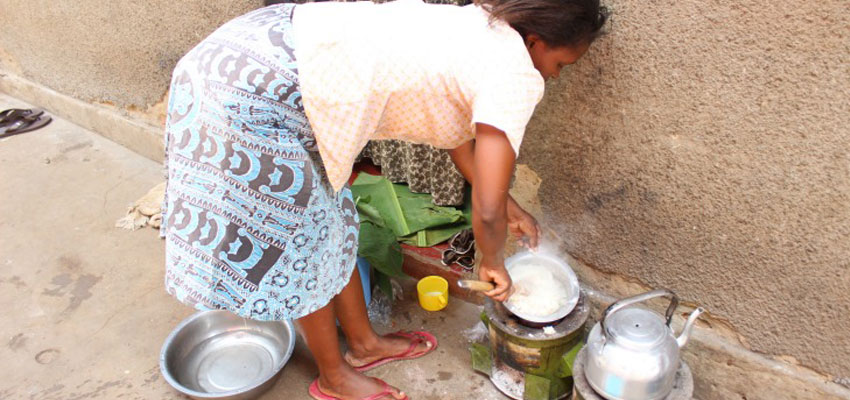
(218, 355)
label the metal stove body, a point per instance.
(531, 363)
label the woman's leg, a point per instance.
(336, 377)
(364, 344)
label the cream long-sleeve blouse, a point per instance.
(407, 70)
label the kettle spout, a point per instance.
(686, 331)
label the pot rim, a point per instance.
(571, 282)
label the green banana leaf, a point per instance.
(536, 388)
(481, 359)
(403, 211)
(412, 216)
(379, 246)
(391, 213)
(439, 234)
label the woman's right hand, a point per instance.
(498, 275)
(523, 226)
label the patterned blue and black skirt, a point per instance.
(251, 222)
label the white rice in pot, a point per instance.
(537, 292)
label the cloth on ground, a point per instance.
(146, 211)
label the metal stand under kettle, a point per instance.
(632, 353)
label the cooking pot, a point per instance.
(632, 353)
(560, 270)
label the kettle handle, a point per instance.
(620, 304)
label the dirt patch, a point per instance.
(18, 342)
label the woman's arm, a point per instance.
(488, 164)
(493, 165)
(462, 157)
(520, 223)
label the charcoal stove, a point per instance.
(530, 362)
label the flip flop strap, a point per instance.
(6, 113)
(7, 116)
(24, 124)
(11, 115)
(386, 392)
(14, 125)
(415, 340)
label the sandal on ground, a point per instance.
(416, 338)
(461, 250)
(14, 114)
(462, 242)
(23, 124)
(317, 393)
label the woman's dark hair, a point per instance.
(557, 22)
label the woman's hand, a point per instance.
(523, 226)
(498, 275)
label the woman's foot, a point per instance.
(349, 384)
(395, 346)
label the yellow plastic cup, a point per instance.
(433, 293)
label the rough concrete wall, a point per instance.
(109, 52)
(704, 146)
(701, 146)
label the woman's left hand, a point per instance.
(523, 225)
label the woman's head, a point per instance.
(556, 32)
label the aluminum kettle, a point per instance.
(632, 353)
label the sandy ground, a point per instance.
(84, 308)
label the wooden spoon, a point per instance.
(479, 286)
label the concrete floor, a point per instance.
(85, 312)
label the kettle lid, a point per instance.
(637, 327)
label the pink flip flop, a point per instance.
(415, 339)
(317, 393)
